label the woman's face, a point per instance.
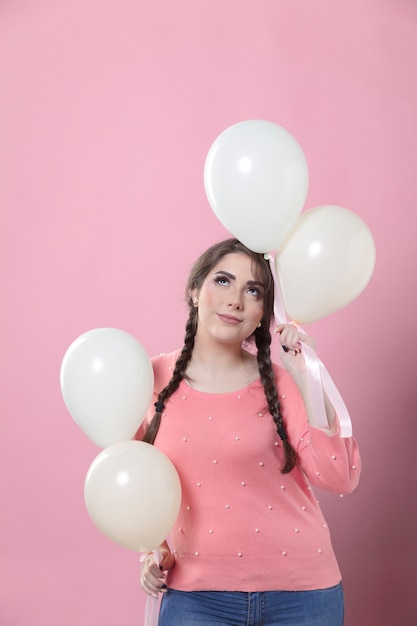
(230, 301)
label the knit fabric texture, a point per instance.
(244, 526)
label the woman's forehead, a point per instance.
(238, 263)
(236, 260)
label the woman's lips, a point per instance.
(229, 319)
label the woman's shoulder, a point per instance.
(165, 357)
(163, 366)
(284, 380)
(279, 371)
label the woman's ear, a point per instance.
(193, 297)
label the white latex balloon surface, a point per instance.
(256, 181)
(133, 494)
(107, 384)
(325, 263)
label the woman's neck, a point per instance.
(220, 368)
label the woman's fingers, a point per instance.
(152, 579)
(168, 560)
(291, 338)
(153, 585)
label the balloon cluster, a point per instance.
(256, 181)
(132, 491)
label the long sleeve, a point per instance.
(331, 463)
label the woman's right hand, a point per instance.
(153, 576)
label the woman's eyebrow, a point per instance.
(255, 283)
(228, 274)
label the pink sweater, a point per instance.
(244, 526)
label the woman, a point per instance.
(250, 545)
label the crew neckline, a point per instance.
(235, 392)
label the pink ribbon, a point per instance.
(153, 604)
(318, 378)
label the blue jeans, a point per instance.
(321, 607)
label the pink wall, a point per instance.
(107, 111)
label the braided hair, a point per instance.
(261, 336)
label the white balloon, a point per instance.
(325, 263)
(133, 494)
(256, 181)
(107, 384)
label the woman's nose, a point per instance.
(235, 301)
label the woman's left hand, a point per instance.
(291, 340)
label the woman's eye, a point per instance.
(253, 291)
(222, 280)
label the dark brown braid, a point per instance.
(262, 336)
(263, 343)
(177, 376)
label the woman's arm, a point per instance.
(330, 461)
(291, 340)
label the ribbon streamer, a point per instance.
(318, 378)
(152, 605)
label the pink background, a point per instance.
(107, 111)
